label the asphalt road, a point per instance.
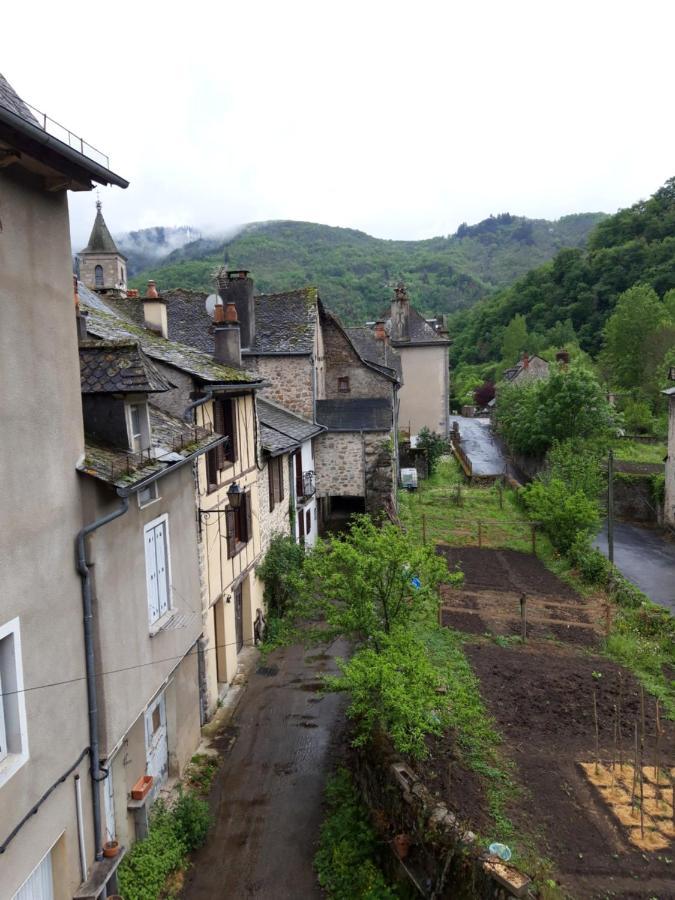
(268, 794)
(646, 558)
(480, 446)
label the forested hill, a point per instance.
(578, 287)
(355, 272)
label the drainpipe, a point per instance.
(83, 569)
(200, 401)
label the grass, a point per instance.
(637, 452)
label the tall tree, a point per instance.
(514, 340)
(637, 317)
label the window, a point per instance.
(13, 730)
(308, 522)
(224, 422)
(275, 469)
(98, 276)
(299, 483)
(148, 495)
(156, 534)
(238, 526)
(138, 426)
(343, 385)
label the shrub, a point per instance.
(563, 514)
(144, 870)
(593, 566)
(191, 820)
(344, 863)
(282, 564)
(434, 446)
(638, 418)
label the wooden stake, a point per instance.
(620, 738)
(635, 765)
(523, 617)
(597, 732)
(424, 528)
(642, 795)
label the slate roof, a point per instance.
(420, 332)
(374, 351)
(118, 367)
(285, 322)
(106, 323)
(281, 430)
(514, 371)
(355, 415)
(11, 101)
(100, 239)
(328, 316)
(172, 442)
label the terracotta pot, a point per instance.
(110, 849)
(141, 788)
(402, 844)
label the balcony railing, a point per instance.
(68, 137)
(308, 484)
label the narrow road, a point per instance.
(480, 446)
(268, 794)
(646, 558)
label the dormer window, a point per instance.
(138, 426)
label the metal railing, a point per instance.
(134, 461)
(51, 126)
(308, 484)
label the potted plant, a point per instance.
(110, 849)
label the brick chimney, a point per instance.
(80, 315)
(227, 350)
(526, 360)
(380, 333)
(562, 357)
(236, 286)
(400, 314)
(154, 311)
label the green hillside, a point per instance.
(355, 272)
(578, 289)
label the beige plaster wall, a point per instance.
(669, 502)
(41, 442)
(423, 397)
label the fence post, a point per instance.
(534, 538)
(480, 534)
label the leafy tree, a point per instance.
(514, 341)
(483, 394)
(563, 514)
(434, 446)
(364, 584)
(279, 571)
(638, 315)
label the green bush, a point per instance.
(344, 862)
(562, 514)
(144, 870)
(281, 566)
(638, 418)
(191, 820)
(434, 446)
(593, 566)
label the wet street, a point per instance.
(480, 446)
(267, 796)
(646, 558)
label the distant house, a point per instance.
(669, 500)
(528, 368)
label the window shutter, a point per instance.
(230, 428)
(271, 470)
(280, 463)
(151, 575)
(298, 475)
(219, 427)
(162, 569)
(248, 519)
(231, 535)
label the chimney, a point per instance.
(526, 360)
(227, 350)
(80, 315)
(400, 312)
(380, 333)
(154, 311)
(237, 287)
(562, 357)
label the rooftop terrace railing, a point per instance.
(51, 126)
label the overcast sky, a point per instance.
(402, 119)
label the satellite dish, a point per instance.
(210, 303)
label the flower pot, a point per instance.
(140, 789)
(402, 844)
(110, 849)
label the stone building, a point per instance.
(669, 498)
(528, 368)
(102, 267)
(47, 737)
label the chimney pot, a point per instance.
(526, 361)
(151, 292)
(380, 333)
(231, 313)
(219, 314)
(154, 311)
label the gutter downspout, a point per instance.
(83, 569)
(200, 401)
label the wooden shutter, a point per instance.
(213, 464)
(299, 490)
(280, 463)
(308, 522)
(219, 427)
(248, 518)
(151, 575)
(229, 410)
(301, 526)
(162, 568)
(230, 516)
(271, 470)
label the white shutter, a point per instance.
(151, 575)
(162, 574)
(40, 885)
(3, 731)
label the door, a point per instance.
(40, 884)
(156, 742)
(239, 616)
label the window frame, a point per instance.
(275, 469)
(239, 526)
(343, 386)
(143, 442)
(13, 759)
(98, 271)
(162, 617)
(154, 487)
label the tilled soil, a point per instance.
(541, 697)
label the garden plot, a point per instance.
(544, 696)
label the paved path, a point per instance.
(480, 446)
(646, 558)
(267, 796)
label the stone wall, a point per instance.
(290, 381)
(276, 521)
(338, 457)
(114, 271)
(342, 361)
(634, 498)
(669, 504)
(380, 472)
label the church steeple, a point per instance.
(102, 266)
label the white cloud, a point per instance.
(401, 119)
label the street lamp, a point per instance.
(234, 495)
